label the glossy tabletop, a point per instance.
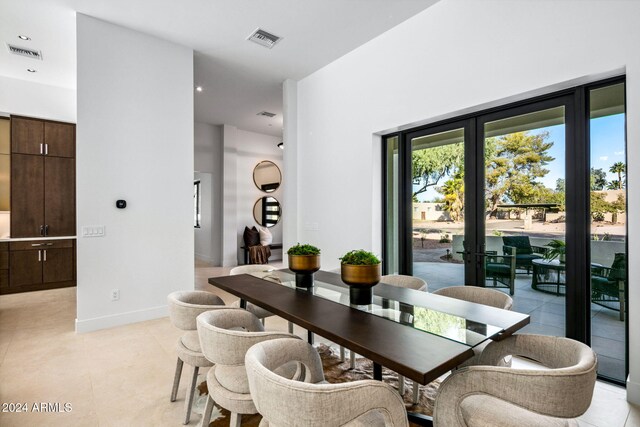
(414, 333)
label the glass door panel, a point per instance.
(524, 215)
(391, 239)
(608, 237)
(437, 209)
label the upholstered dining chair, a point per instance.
(260, 313)
(225, 337)
(313, 402)
(184, 307)
(490, 297)
(486, 395)
(400, 281)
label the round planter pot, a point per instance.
(361, 279)
(304, 266)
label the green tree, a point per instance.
(598, 179)
(513, 163)
(599, 206)
(453, 192)
(614, 185)
(619, 168)
(430, 165)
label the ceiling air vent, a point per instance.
(264, 38)
(266, 114)
(23, 51)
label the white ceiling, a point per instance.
(239, 78)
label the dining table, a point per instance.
(414, 333)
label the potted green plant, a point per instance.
(558, 250)
(304, 260)
(361, 270)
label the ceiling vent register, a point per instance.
(264, 38)
(266, 114)
(23, 51)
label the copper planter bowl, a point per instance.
(361, 275)
(304, 263)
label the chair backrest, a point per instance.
(251, 268)
(619, 267)
(403, 281)
(185, 306)
(225, 336)
(478, 295)
(521, 243)
(565, 390)
(283, 401)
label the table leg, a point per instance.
(310, 337)
(419, 419)
(243, 303)
(377, 371)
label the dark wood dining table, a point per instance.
(418, 353)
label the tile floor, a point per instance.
(122, 376)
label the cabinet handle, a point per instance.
(41, 144)
(39, 255)
(42, 230)
(46, 149)
(46, 230)
(45, 255)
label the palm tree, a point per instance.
(619, 168)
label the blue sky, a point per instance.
(607, 148)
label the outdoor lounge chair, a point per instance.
(500, 270)
(525, 253)
(608, 284)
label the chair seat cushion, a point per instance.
(191, 341)
(241, 403)
(498, 268)
(527, 257)
(190, 357)
(481, 410)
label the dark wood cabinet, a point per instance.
(42, 137)
(4, 265)
(38, 265)
(27, 135)
(42, 181)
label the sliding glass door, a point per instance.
(522, 199)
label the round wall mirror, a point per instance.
(266, 211)
(267, 176)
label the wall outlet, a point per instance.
(115, 294)
(93, 231)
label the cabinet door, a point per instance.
(57, 265)
(27, 195)
(60, 139)
(25, 268)
(60, 196)
(27, 135)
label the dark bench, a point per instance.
(246, 250)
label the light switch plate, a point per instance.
(93, 231)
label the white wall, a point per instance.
(135, 142)
(243, 150)
(22, 97)
(208, 160)
(455, 56)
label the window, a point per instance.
(197, 203)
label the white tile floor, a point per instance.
(122, 376)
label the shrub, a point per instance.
(303, 250)
(359, 257)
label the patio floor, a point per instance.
(547, 314)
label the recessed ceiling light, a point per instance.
(32, 70)
(22, 37)
(199, 88)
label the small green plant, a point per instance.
(445, 238)
(498, 233)
(303, 250)
(359, 257)
(558, 247)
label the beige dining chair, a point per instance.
(489, 395)
(184, 307)
(478, 295)
(311, 401)
(225, 337)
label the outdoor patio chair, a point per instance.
(608, 284)
(500, 270)
(525, 253)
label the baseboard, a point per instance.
(204, 258)
(633, 391)
(120, 319)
